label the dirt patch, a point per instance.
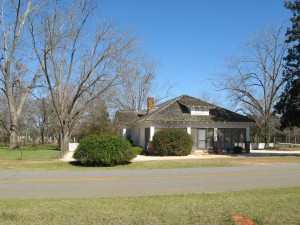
(242, 220)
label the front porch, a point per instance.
(216, 139)
(220, 139)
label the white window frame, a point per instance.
(199, 110)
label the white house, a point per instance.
(211, 127)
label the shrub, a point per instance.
(138, 150)
(101, 150)
(173, 142)
(237, 150)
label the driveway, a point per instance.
(78, 184)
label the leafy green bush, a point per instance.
(173, 142)
(101, 150)
(137, 150)
(237, 150)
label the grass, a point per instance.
(41, 152)
(46, 157)
(273, 206)
(55, 164)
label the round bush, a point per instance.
(100, 150)
(173, 142)
(137, 150)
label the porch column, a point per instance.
(247, 143)
(215, 134)
(124, 132)
(142, 138)
(247, 134)
(216, 143)
(151, 133)
(189, 130)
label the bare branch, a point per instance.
(253, 82)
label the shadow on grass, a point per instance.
(262, 154)
(79, 164)
(273, 154)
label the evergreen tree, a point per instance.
(289, 104)
(95, 121)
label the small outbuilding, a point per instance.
(213, 128)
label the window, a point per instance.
(128, 134)
(230, 137)
(199, 110)
(203, 138)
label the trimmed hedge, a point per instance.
(102, 150)
(172, 142)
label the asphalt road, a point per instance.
(71, 184)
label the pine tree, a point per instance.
(289, 104)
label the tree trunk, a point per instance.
(64, 143)
(43, 135)
(35, 141)
(13, 131)
(13, 138)
(267, 135)
(267, 143)
(267, 139)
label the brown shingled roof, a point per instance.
(177, 110)
(127, 117)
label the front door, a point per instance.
(203, 138)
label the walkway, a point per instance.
(253, 153)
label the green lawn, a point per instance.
(47, 158)
(41, 152)
(278, 206)
(274, 206)
(56, 164)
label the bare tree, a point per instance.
(254, 81)
(37, 118)
(137, 83)
(4, 114)
(212, 97)
(80, 60)
(18, 72)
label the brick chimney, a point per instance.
(150, 104)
